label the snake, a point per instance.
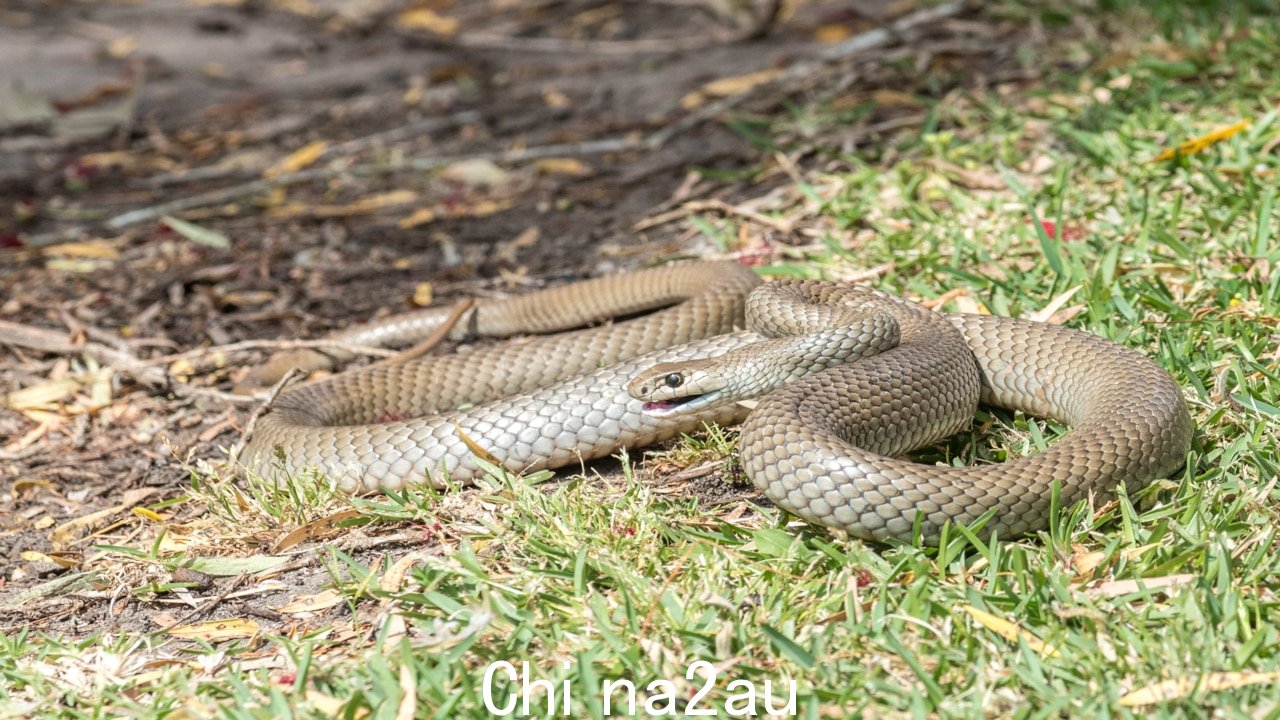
(833, 385)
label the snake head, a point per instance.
(676, 388)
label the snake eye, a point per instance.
(674, 380)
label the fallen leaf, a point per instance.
(1114, 588)
(96, 249)
(1044, 313)
(554, 98)
(232, 566)
(22, 485)
(313, 603)
(19, 107)
(393, 579)
(828, 34)
(298, 159)
(36, 556)
(217, 630)
(1009, 631)
(42, 395)
(197, 234)
(319, 528)
(363, 206)
(563, 166)
(424, 19)
(724, 87)
(421, 216)
(1083, 563)
(475, 447)
(475, 173)
(122, 47)
(423, 294)
(1182, 687)
(1199, 144)
(69, 532)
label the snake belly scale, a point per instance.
(823, 446)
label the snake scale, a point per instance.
(845, 378)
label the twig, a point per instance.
(245, 345)
(695, 472)
(262, 409)
(437, 336)
(213, 602)
(783, 226)
(895, 29)
(404, 132)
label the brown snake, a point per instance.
(849, 377)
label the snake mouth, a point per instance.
(679, 405)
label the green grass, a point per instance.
(592, 579)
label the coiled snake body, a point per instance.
(850, 378)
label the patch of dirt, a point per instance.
(309, 137)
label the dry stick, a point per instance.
(404, 132)
(783, 226)
(261, 410)
(212, 602)
(422, 347)
(245, 345)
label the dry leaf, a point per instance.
(885, 97)
(739, 83)
(1009, 631)
(71, 531)
(147, 514)
(1115, 588)
(95, 249)
(408, 708)
(1084, 563)
(1182, 687)
(393, 579)
(475, 173)
(42, 395)
(423, 294)
(22, 485)
(330, 706)
(122, 47)
(313, 603)
(432, 22)
(197, 234)
(562, 166)
(507, 252)
(475, 447)
(36, 556)
(829, 34)
(1044, 313)
(554, 98)
(363, 206)
(1198, 144)
(298, 159)
(316, 529)
(421, 216)
(217, 630)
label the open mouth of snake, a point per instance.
(671, 406)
